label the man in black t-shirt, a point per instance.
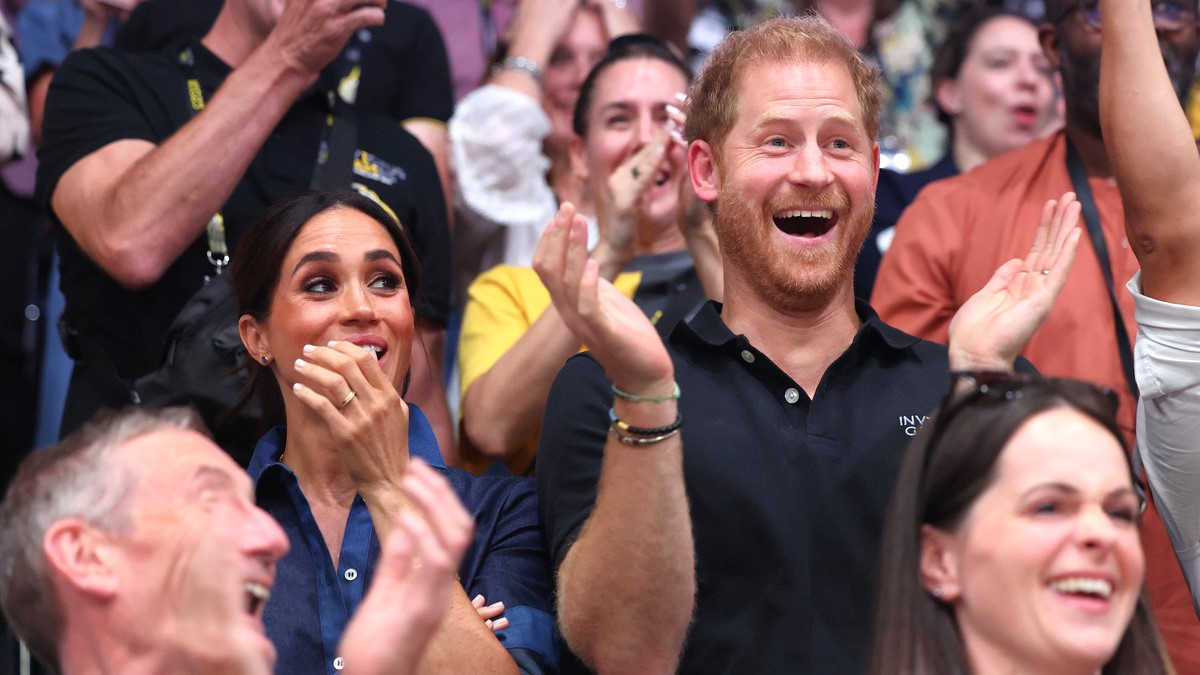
(133, 173)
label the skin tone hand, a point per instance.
(534, 31)
(615, 330)
(617, 207)
(370, 432)
(991, 328)
(310, 33)
(417, 564)
(618, 21)
(695, 218)
(489, 613)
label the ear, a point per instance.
(948, 96)
(82, 555)
(939, 564)
(578, 163)
(702, 165)
(1048, 37)
(254, 337)
(875, 158)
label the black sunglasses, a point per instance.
(971, 389)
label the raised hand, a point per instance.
(310, 33)
(615, 330)
(366, 418)
(411, 589)
(991, 328)
(537, 27)
(617, 206)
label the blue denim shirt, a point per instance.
(312, 602)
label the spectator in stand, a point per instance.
(993, 89)
(509, 138)
(1011, 539)
(958, 228)
(656, 242)
(1158, 171)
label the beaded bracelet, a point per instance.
(640, 440)
(634, 398)
(644, 431)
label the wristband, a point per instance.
(634, 398)
(644, 431)
(523, 64)
(640, 440)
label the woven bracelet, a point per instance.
(634, 398)
(644, 431)
(640, 440)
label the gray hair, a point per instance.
(72, 479)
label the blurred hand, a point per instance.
(618, 18)
(410, 592)
(310, 33)
(538, 26)
(617, 207)
(991, 328)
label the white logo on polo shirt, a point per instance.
(910, 423)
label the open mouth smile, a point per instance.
(805, 223)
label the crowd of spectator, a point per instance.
(385, 336)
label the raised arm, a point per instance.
(1152, 151)
(626, 587)
(134, 207)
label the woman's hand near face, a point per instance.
(369, 428)
(537, 27)
(617, 208)
(695, 218)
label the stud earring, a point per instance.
(937, 592)
(265, 359)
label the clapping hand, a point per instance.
(992, 327)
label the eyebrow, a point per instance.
(1072, 490)
(330, 256)
(769, 118)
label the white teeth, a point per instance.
(374, 350)
(1090, 586)
(808, 214)
(259, 591)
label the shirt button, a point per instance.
(791, 395)
(747, 356)
(339, 663)
(351, 574)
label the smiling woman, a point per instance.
(1012, 539)
(326, 293)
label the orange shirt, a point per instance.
(947, 245)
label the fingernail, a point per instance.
(308, 349)
(478, 598)
(499, 604)
(300, 363)
(488, 623)
(297, 387)
(332, 343)
(672, 109)
(501, 623)
(681, 97)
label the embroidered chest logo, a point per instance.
(371, 167)
(910, 423)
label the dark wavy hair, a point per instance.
(624, 48)
(948, 465)
(257, 268)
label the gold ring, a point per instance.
(636, 172)
(346, 401)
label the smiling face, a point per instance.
(1002, 97)
(341, 279)
(1045, 571)
(794, 182)
(628, 107)
(198, 561)
(579, 48)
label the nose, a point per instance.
(1028, 75)
(357, 304)
(1095, 529)
(810, 167)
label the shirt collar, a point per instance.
(708, 328)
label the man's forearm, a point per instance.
(134, 208)
(627, 587)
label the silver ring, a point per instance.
(1045, 273)
(346, 401)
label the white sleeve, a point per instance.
(496, 137)
(14, 111)
(1167, 363)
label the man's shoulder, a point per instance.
(1015, 167)
(104, 60)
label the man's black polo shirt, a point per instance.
(787, 494)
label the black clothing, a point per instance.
(787, 494)
(893, 194)
(100, 96)
(405, 70)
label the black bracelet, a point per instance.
(640, 440)
(645, 431)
